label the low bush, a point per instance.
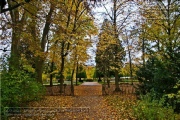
(163, 77)
(18, 88)
(150, 109)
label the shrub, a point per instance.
(163, 77)
(18, 88)
(150, 109)
(89, 80)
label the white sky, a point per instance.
(100, 14)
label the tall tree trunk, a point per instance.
(130, 65)
(16, 31)
(62, 69)
(108, 77)
(15, 56)
(63, 55)
(74, 67)
(39, 69)
(117, 89)
(40, 59)
(76, 73)
(130, 61)
(99, 78)
(72, 86)
(51, 75)
(51, 70)
(116, 37)
(143, 51)
(108, 82)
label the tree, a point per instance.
(98, 74)
(130, 42)
(164, 19)
(22, 13)
(16, 22)
(26, 39)
(161, 31)
(40, 60)
(68, 29)
(11, 7)
(18, 4)
(81, 73)
(104, 52)
(90, 71)
(79, 55)
(118, 22)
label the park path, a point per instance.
(90, 83)
(88, 89)
(96, 105)
(88, 106)
(92, 99)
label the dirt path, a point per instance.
(88, 89)
(94, 103)
(83, 107)
(90, 83)
(97, 107)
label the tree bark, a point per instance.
(16, 31)
(72, 86)
(51, 75)
(62, 68)
(129, 55)
(117, 89)
(143, 51)
(76, 73)
(116, 37)
(39, 70)
(40, 59)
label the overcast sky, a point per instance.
(100, 14)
